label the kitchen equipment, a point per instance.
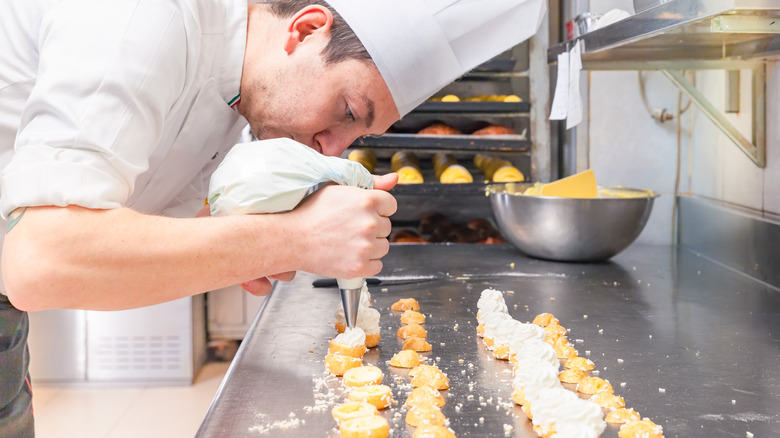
(350, 298)
(570, 229)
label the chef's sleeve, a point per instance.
(108, 74)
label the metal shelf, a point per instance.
(473, 107)
(498, 143)
(683, 34)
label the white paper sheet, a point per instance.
(560, 104)
(574, 113)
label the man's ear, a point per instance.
(309, 21)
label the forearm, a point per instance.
(117, 259)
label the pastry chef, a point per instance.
(113, 114)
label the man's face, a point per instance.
(325, 107)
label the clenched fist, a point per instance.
(344, 229)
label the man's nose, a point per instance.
(333, 143)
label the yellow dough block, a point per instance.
(581, 185)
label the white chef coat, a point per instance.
(109, 103)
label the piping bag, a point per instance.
(273, 176)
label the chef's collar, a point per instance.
(231, 24)
(420, 46)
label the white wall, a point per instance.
(627, 147)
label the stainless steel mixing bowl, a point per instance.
(569, 229)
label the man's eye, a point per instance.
(349, 113)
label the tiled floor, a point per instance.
(149, 411)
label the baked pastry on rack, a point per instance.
(407, 166)
(439, 129)
(497, 169)
(366, 157)
(494, 130)
(448, 171)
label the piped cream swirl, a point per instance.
(352, 337)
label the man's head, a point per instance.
(306, 76)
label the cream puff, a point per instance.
(579, 363)
(412, 330)
(381, 396)
(405, 304)
(608, 400)
(337, 364)
(350, 343)
(429, 376)
(417, 344)
(424, 415)
(557, 406)
(412, 317)
(350, 410)
(572, 376)
(641, 429)
(425, 395)
(433, 431)
(489, 316)
(545, 319)
(406, 359)
(594, 385)
(535, 349)
(362, 376)
(371, 426)
(622, 416)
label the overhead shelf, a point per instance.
(683, 34)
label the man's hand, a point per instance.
(262, 286)
(343, 230)
(385, 182)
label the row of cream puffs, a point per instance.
(425, 401)
(553, 410)
(536, 362)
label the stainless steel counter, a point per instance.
(687, 342)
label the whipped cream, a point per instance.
(491, 300)
(534, 349)
(352, 337)
(504, 331)
(485, 316)
(367, 319)
(490, 294)
(491, 322)
(557, 407)
(525, 332)
(533, 376)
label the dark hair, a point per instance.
(343, 44)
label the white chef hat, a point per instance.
(419, 46)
